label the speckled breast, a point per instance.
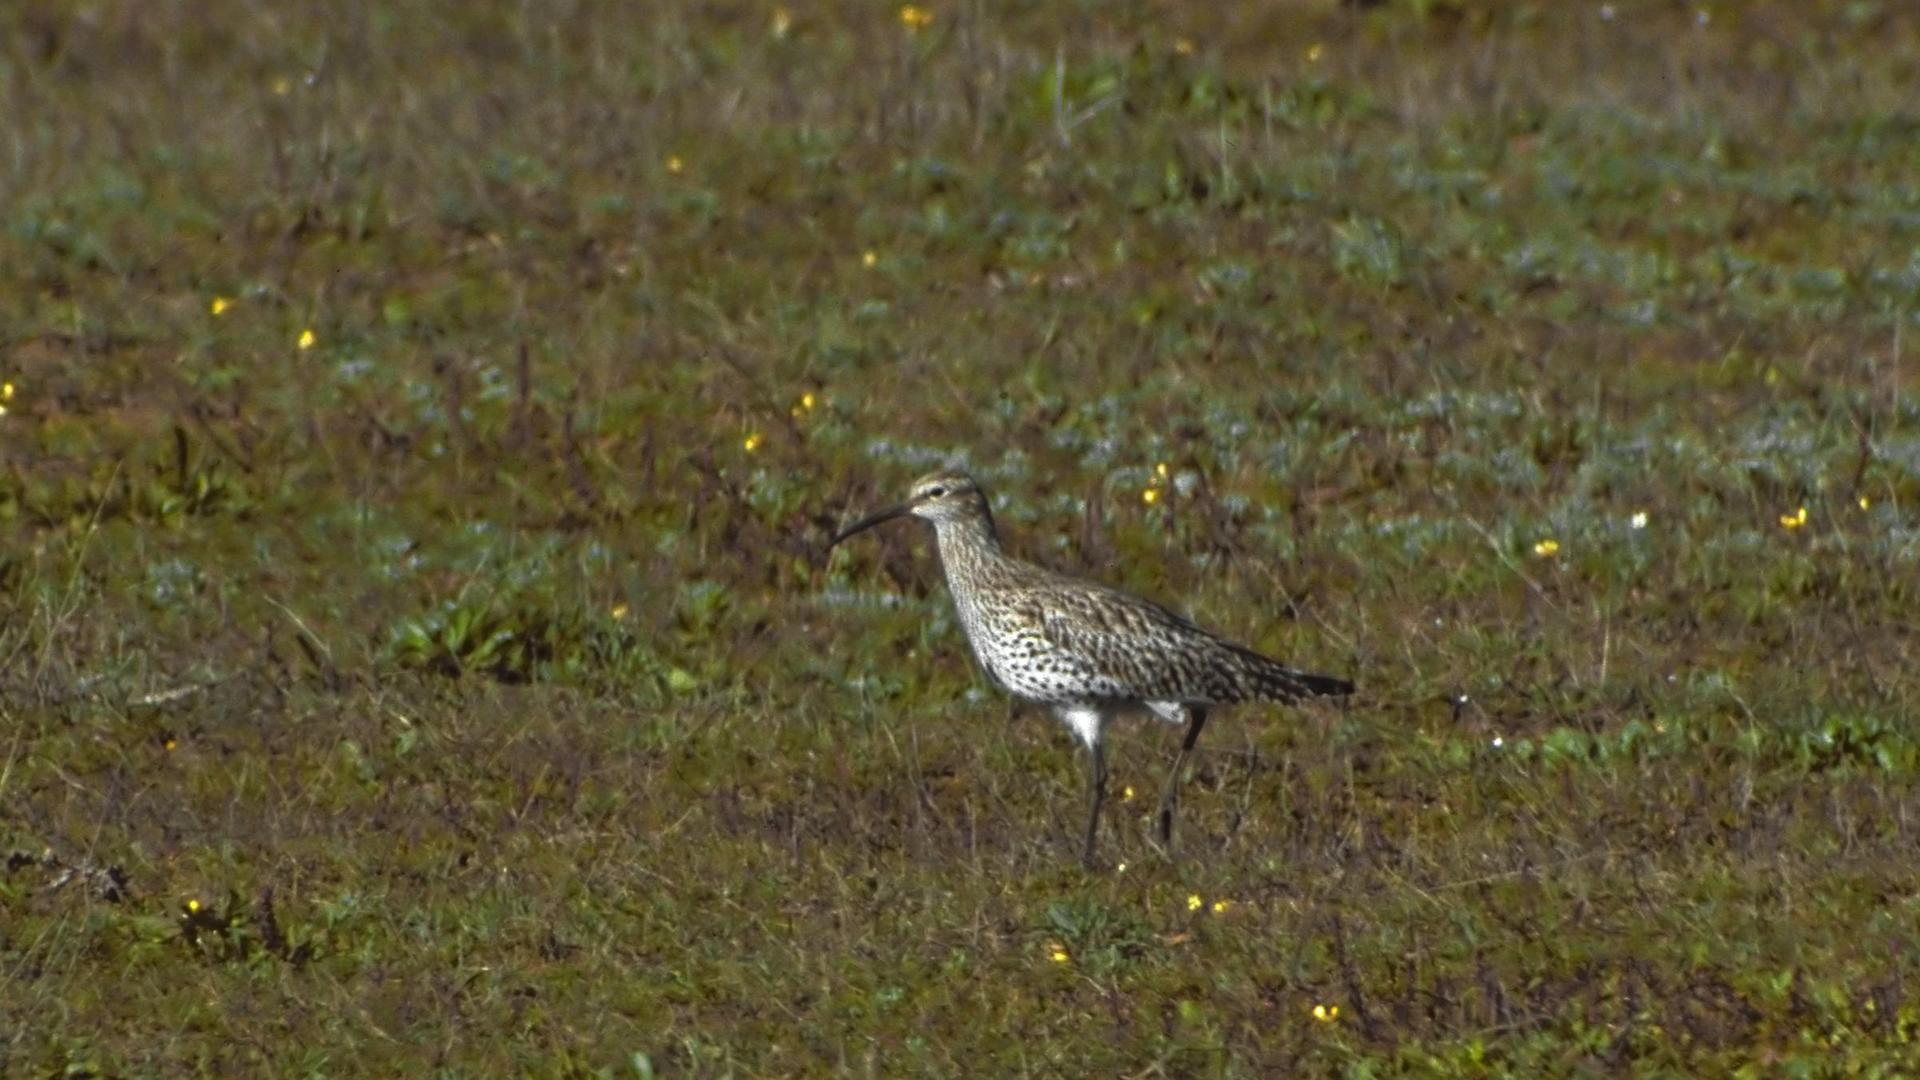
(1027, 665)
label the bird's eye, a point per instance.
(936, 491)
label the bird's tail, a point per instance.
(1270, 680)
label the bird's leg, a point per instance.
(1096, 793)
(1196, 719)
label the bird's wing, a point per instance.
(1154, 653)
(1160, 656)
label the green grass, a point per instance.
(468, 693)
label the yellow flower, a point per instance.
(1150, 496)
(1126, 794)
(1313, 53)
(915, 18)
(1794, 520)
(1057, 952)
(675, 165)
(1220, 906)
(170, 743)
(1547, 548)
(619, 611)
(1161, 469)
(782, 22)
(808, 401)
(282, 86)
(1326, 1014)
(6, 394)
(1183, 46)
(220, 305)
(193, 906)
(1194, 903)
(869, 260)
(1120, 869)
(307, 339)
(751, 442)
(1864, 501)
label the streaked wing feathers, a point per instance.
(1159, 655)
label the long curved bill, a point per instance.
(869, 522)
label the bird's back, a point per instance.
(1054, 637)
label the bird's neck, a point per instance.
(967, 544)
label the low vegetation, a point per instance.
(418, 654)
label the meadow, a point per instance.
(422, 425)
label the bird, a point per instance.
(1086, 651)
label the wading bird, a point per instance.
(1085, 650)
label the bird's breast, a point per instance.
(1016, 653)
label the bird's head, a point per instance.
(944, 496)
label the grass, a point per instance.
(427, 662)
